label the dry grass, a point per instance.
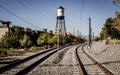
(109, 41)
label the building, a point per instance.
(4, 28)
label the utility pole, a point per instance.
(74, 31)
(90, 32)
(93, 36)
(77, 32)
(80, 35)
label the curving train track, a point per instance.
(80, 63)
(25, 65)
(88, 65)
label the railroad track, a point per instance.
(88, 65)
(25, 65)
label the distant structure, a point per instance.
(115, 1)
(4, 28)
(117, 4)
(45, 30)
(51, 32)
(60, 24)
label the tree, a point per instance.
(111, 28)
(49, 40)
(10, 40)
(57, 38)
(5, 41)
(42, 39)
(25, 41)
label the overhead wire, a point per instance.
(35, 6)
(44, 13)
(27, 8)
(82, 6)
(85, 20)
(81, 11)
(101, 5)
(18, 16)
(43, 7)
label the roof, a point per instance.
(60, 7)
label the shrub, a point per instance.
(108, 41)
(3, 52)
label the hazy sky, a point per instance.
(42, 13)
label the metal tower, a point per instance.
(60, 24)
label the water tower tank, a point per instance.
(60, 12)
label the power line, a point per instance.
(30, 9)
(27, 7)
(99, 8)
(82, 7)
(43, 7)
(35, 6)
(81, 13)
(18, 16)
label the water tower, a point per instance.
(60, 24)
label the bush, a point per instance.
(97, 38)
(117, 42)
(108, 41)
(13, 52)
(3, 52)
(35, 49)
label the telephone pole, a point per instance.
(93, 36)
(90, 29)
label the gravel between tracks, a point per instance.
(108, 55)
(61, 63)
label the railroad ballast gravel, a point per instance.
(108, 55)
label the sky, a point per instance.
(41, 14)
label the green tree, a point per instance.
(111, 28)
(10, 40)
(106, 30)
(42, 39)
(57, 38)
(5, 41)
(49, 40)
(25, 41)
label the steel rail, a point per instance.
(82, 70)
(16, 63)
(106, 71)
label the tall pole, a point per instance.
(93, 36)
(90, 32)
(80, 34)
(74, 31)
